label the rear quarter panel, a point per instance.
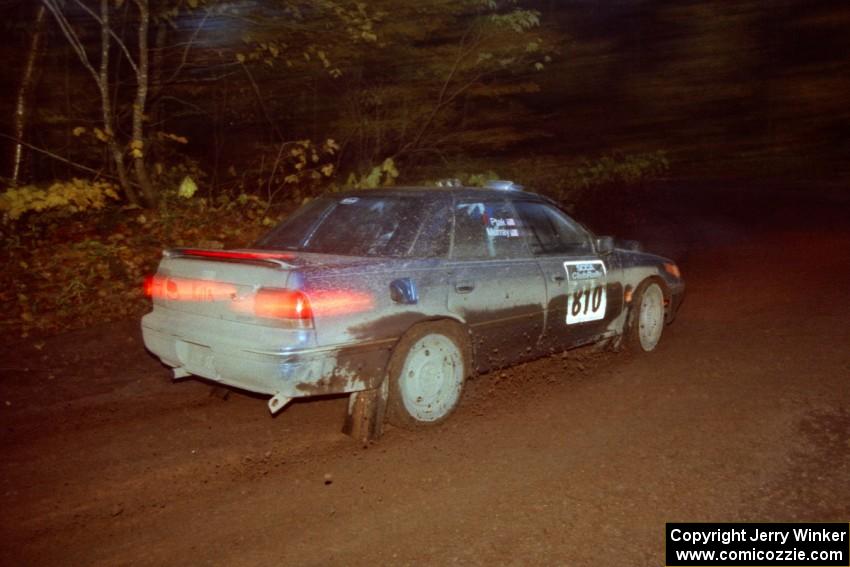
(358, 323)
(352, 304)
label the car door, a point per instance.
(496, 285)
(583, 292)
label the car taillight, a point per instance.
(152, 286)
(272, 303)
(331, 303)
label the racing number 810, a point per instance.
(585, 299)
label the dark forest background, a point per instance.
(726, 89)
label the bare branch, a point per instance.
(260, 100)
(186, 103)
(72, 38)
(188, 48)
(57, 157)
(105, 23)
(462, 53)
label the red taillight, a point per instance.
(270, 303)
(153, 286)
(341, 302)
(188, 289)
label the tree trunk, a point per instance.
(101, 78)
(115, 149)
(22, 102)
(138, 143)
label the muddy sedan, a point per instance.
(396, 296)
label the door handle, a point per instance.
(464, 286)
(558, 278)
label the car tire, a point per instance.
(426, 374)
(645, 323)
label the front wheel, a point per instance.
(647, 322)
(426, 374)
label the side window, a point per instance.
(432, 238)
(487, 229)
(549, 231)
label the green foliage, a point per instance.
(76, 195)
(282, 45)
(187, 188)
(288, 171)
(383, 175)
(628, 169)
(170, 177)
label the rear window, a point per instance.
(357, 226)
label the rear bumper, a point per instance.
(286, 367)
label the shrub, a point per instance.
(76, 195)
(81, 263)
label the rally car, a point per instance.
(398, 295)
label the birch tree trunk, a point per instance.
(137, 144)
(101, 79)
(22, 103)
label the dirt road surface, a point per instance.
(742, 414)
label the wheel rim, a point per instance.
(432, 377)
(651, 320)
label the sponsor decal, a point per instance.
(581, 271)
(588, 297)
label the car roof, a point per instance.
(458, 192)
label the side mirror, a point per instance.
(604, 245)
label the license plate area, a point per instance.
(197, 359)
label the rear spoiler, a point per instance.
(277, 259)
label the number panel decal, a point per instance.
(587, 298)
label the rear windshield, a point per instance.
(353, 226)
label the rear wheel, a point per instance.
(426, 374)
(646, 322)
